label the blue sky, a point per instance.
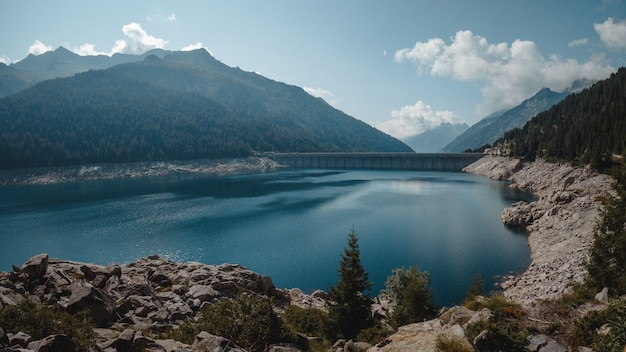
(402, 66)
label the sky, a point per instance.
(403, 66)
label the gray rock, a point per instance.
(283, 348)
(95, 300)
(35, 267)
(535, 342)
(56, 343)
(125, 340)
(202, 293)
(206, 342)
(20, 339)
(553, 346)
(603, 296)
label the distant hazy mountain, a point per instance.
(58, 63)
(433, 140)
(185, 105)
(490, 128)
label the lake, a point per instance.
(289, 224)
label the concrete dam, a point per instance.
(377, 161)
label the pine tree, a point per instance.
(349, 306)
(607, 263)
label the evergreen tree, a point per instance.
(477, 288)
(349, 306)
(607, 263)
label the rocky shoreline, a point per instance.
(51, 175)
(559, 223)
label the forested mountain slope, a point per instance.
(587, 127)
(186, 105)
(490, 128)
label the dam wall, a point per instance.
(377, 161)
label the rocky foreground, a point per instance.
(130, 300)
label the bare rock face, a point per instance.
(559, 223)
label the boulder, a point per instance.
(56, 343)
(160, 279)
(206, 342)
(35, 267)
(283, 348)
(535, 342)
(553, 346)
(95, 300)
(413, 337)
(20, 339)
(603, 296)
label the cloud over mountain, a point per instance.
(138, 42)
(414, 119)
(38, 48)
(507, 73)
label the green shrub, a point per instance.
(408, 291)
(505, 331)
(375, 334)
(247, 320)
(40, 321)
(585, 331)
(449, 343)
(308, 321)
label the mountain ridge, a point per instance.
(434, 139)
(492, 127)
(186, 105)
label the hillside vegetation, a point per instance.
(186, 105)
(584, 128)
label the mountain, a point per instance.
(433, 140)
(490, 128)
(588, 127)
(59, 63)
(185, 105)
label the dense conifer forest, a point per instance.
(186, 105)
(584, 128)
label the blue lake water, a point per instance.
(291, 224)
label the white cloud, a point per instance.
(196, 46)
(319, 93)
(138, 42)
(507, 73)
(578, 42)
(5, 59)
(611, 33)
(38, 48)
(158, 17)
(88, 49)
(414, 119)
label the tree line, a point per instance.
(584, 128)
